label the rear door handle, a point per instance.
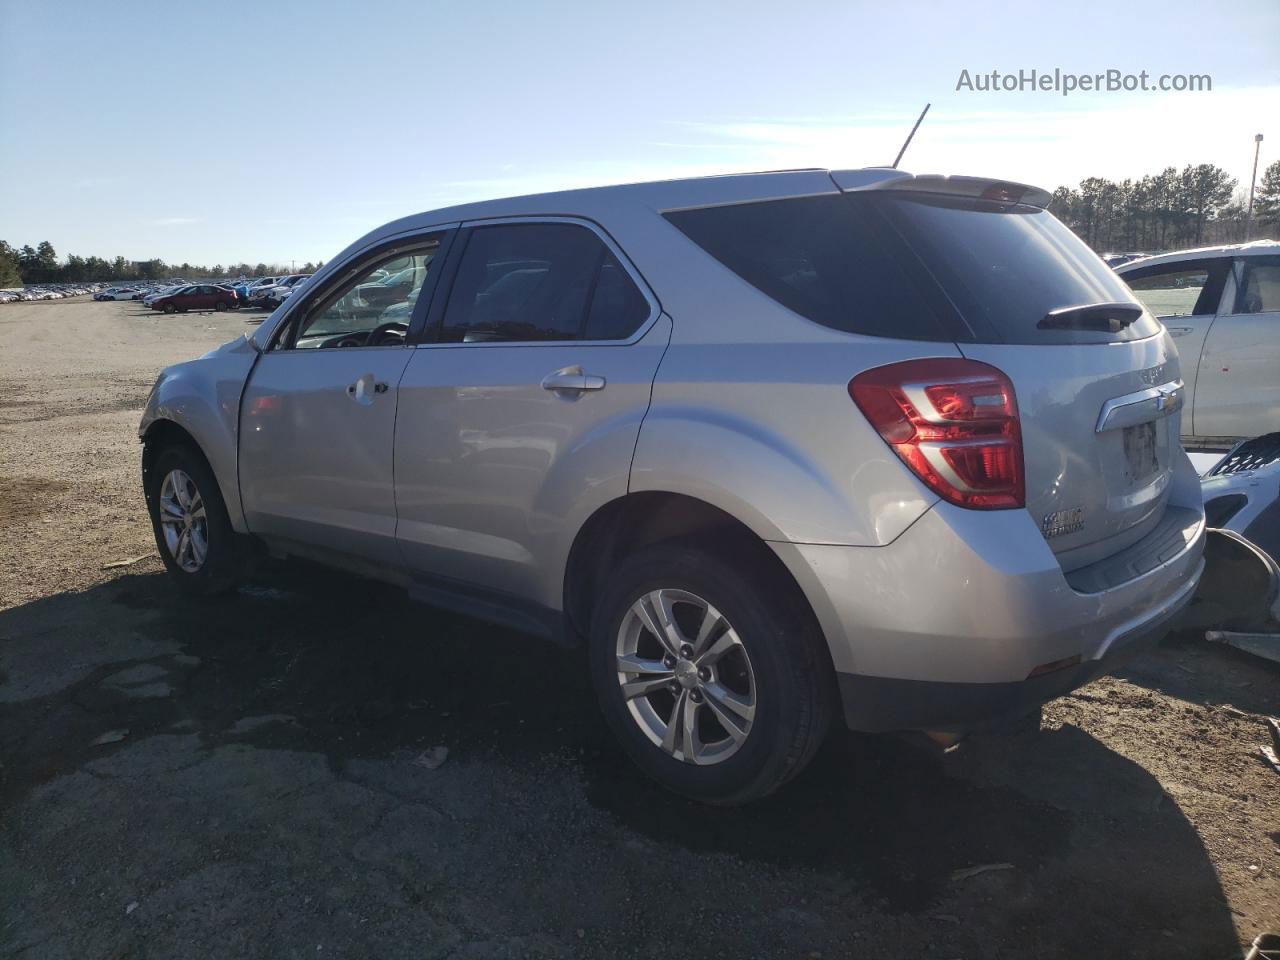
(572, 380)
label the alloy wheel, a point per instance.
(183, 521)
(685, 676)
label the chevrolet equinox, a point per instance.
(768, 448)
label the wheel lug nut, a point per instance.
(673, 686)
(686, 651)
(669, 661)
(704, 674)
(695, 696)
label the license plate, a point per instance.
(1140, 452)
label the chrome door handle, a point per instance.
(1179, 331)
(572, 380)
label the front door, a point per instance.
(522, 416)
(318, 415)
(1239, 386)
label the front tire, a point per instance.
(715, 681)
(169, 308)
(221, 306)
(189, 519)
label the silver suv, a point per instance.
(766, 447)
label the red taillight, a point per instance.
(954, 422)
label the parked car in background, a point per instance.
(116, 293)
(149, 298)
(765, 447)
(244, 289)
(203, 296)
(1222, 307)
(271, 296)
(9, 296)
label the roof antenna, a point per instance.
(910, 135)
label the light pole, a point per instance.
(1248, 217)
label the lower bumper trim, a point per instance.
(882, 704)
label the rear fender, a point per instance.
(779, 490)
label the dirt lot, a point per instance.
(242, 779)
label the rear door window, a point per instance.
(1188, 288)
(523, 282)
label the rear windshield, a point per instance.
(915, 266)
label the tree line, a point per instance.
(1199, 205)
(40, 264)
(1195, 206)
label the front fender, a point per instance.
(203, 398)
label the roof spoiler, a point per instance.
(984, 188)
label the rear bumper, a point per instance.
(885, 703)
(944, 627)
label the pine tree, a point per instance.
(1266, 201)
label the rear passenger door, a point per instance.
(519, 416)
(1184, 296)
(1239, 385)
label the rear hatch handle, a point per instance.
(1106, 317)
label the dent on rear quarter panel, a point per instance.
(203, 397)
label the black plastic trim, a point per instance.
(882, 704)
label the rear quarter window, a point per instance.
(817, 257)
(915, 266)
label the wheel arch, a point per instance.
(161, 435)
(637, 520)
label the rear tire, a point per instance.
(181, 485)
(221, 306)
(774, 683)
(169, 308)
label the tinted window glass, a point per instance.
(1260, 291)
(618, 308)
(1005, 266)
(821, 258)
(521, 282)
(915, 266)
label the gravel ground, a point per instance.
(258, 776)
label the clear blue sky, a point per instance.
(276, 130)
